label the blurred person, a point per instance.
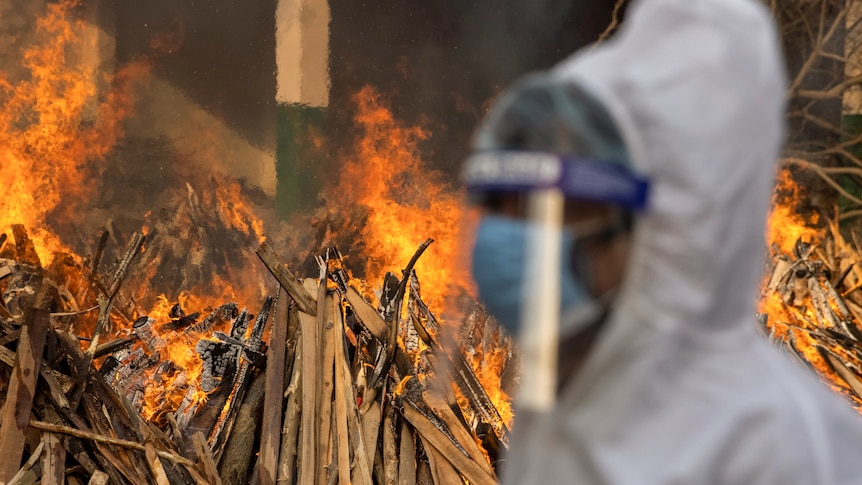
(662, 142)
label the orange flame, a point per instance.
(50, 136)
(406, 201)
(788, 319)
(786, 225)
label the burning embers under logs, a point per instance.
(343, 394)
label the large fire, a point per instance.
(63, 117)
(406, 202)
(47, 149)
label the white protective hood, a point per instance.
(680, 388)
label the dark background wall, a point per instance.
(221, 53)
(440, 61)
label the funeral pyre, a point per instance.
(811, 303)
(344, 393)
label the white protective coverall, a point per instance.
(680, 388)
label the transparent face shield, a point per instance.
(524, 196)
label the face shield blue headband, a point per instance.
(500, 254)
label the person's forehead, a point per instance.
(514, 203)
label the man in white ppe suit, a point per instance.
(670, 383)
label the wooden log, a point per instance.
(205, 457)
(270, 438)
(407, 458)
(292, 417)
(234, 464)
(98, 478)
(22, 384)
(326, 378)
(471, 470)
(53, 459)
(287, 280)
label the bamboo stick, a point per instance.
(172, 457)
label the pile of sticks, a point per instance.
(358, 407)
(812, 306)
(343, 393)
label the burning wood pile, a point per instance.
(812, 303)
(342, 393)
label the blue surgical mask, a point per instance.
(500, 265)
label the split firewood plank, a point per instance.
(287, 280)
(390, 452)
(367, 314)
(53, 459)
(371, 427)
(440, 408)
(407, 458)
(155, 465)
(361, 474)
(307, 430)
(471, 470)
(441, 468)
(270, 438)
(22, 384)
(292, 418)
(205, 457)
(342, 438)
(324, 400)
